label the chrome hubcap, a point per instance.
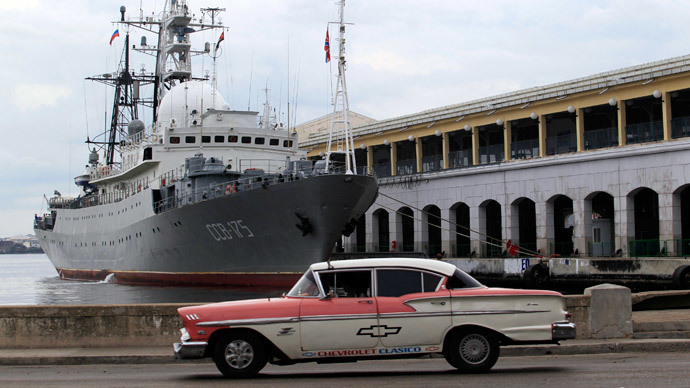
(474, 348)
(239, 354)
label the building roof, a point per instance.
(641, 73)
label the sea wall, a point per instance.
(89, 326)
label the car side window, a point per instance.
(347, 284)
(398, 282)
(461, 280)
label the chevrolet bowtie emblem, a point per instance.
(379, 331)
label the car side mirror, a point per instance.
(328, 296)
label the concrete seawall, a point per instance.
(89, 326)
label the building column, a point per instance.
(544, 218)
(475, 148)
(666, 114)
(624, 222)
(370, 159)
(475, 239)
(621, 123)
(418, 153)
(446, 149)
(580, 129)
(666, 222)
(445, 236)
(507, 140)
(542, 137)
(579, 233)
(394, 159)
(369, 235)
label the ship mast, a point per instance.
(340, 140)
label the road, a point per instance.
(627, 370)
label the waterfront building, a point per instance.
(595, 166)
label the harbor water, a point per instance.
(30, 279)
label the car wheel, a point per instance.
(681, 277)
(537, 274)
(239, 355)
(472, 351)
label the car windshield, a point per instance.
(306, 286)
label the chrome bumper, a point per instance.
(562, 331)
(189, 350)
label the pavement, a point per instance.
(653, 331)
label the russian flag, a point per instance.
(115, 35)
(327, 47)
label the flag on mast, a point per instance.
(327, 47)
(222, 38)
(115, 35)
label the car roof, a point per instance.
(426, 264)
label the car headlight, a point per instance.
(185, 335)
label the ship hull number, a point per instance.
(229, 230)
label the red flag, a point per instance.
(327, 47)
(222, 38)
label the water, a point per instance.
(30, 279)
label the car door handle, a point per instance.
(365, 301)
(441, 303)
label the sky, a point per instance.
(403, 57)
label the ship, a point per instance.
(204, 195)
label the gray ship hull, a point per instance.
(266, 236)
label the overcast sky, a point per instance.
(403, 56)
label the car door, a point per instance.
(346, 318)
(413, 307)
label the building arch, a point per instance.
(459, 230)
(599, 224)
(431, 230)
(681, 220)
(644, 222)
(560, 224)
(490, 226)
(404, 229)
(523, 225)
(380, 230)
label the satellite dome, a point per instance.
(135, 126)
(189, 98)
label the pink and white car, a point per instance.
(371, 309)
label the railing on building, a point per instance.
(563, 248)
(682, 247)
(459, 159)
(601, 138)
(406, 167)
(524, 149)
(601, 249)
(680, 127)
(382, 170)
(432, 163)
(647, 248)
(561, 144)
(491, 154)
(491, 250)
(644, 132)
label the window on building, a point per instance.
(274, 142)
(232, 139)
(259, 140)
(287, 143)
(219, 139)
(190, 139)
(206, 139)
(174, 140)
(246, 140)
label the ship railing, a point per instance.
(268, 165)
(104, 171)
(168, 178)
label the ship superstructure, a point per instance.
(205, 194)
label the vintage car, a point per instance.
(371, 309)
